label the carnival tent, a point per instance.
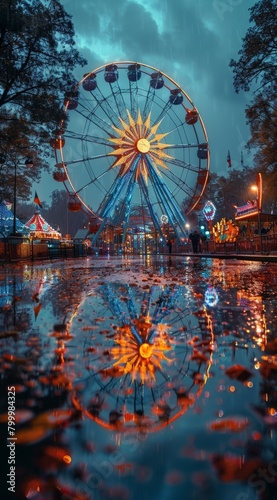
(40, 229)
(7, 221)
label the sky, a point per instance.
(192, 41)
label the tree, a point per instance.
(228, 192)
(59, 217)
(14, 173)
(257, 62)
(262, 119)
(257, 67)
(57, 214)
(37, 59)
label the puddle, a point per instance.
(139, 379)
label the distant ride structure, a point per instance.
(131, 138)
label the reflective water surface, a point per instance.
(139, 378)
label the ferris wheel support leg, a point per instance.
(96, 236)
(111, 198)
(127, 214)
(151, 211)
(175, 216)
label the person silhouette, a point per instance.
(195, 240)
(169, 244)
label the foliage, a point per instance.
(257, 62)
(57, 214)
(229, 192)
(37, 59)
(262, 118)
(257, 68)
(13, 169)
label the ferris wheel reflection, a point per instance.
(150, 368)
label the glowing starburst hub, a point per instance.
(137, 142)
(138, 356)
(146, 350)
(143, 145)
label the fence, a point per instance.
(17, 248)
(257, 244)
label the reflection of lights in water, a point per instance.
(154, 364)
(211, 296)
(141, 358)
(259, 326)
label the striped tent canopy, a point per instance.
(7, 219)
(40, 229)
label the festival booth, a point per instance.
(225, 233)
(44, 239)
(14, 241)
(7, 222)
(40, 229)
(252, 231)
(256, 230)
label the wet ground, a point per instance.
(139, 379)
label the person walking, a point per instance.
(195, 240)
(169, 244)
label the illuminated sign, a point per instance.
(249, 209)
(209, 210)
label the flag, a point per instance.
(229, 159)
(37, 200)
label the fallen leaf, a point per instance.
(31, 435)
(239, 372)
(234, 468)
(37, 309)
(52, 418)
(235, 424)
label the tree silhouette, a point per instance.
(59, 217)
(37, 60)
(256, 68)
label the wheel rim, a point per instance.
(134, 142)
(147, 371)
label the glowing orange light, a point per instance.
(136, 141)
(67, 459)
(146, 350)
(256, 436)
(140, 360)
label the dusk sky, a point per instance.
(192, 41)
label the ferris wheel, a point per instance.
(149, 366)
(133, 140)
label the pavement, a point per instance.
(262, 257)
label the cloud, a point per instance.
(138, 31)
(192, 41)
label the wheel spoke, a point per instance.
(87, 138)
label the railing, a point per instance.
(256, 244)
(16, 248)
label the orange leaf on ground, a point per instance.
(31, 435)
(234, 468)
(52, 418)
(37, 309)
(235, 424)
(238, 372)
